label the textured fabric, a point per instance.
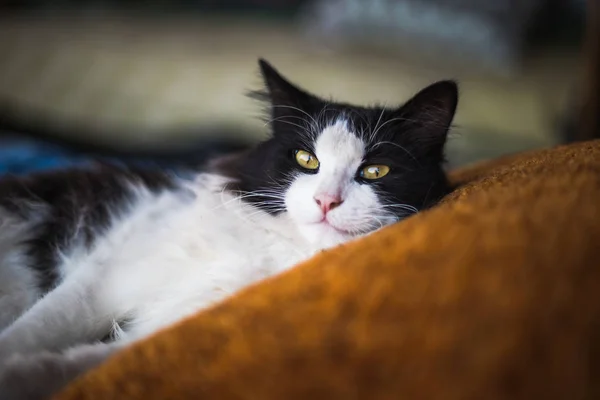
(493, 294)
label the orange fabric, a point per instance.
(493, 294)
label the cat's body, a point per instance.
(84, 254)
(157, 256)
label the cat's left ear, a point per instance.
(283, 95)
(428, 115)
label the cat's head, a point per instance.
(341, 170)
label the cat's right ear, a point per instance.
(282, 95)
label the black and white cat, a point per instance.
(92, 252)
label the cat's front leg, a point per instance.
(69, 315)
(39, 376)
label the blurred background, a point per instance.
(164, 77)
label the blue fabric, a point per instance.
(24, 156)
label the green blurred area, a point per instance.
(157, 69)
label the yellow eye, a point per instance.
(306, 160)
(374, 171)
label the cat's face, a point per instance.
(339, 170)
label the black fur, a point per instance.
(76, 204)
(61, 203)
(410, 139)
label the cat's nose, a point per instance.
(328, 202)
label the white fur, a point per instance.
(175, 253)
(18, 286)
(171, 255)
(340, 153)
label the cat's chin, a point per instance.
(324, 235)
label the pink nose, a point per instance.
(328, 202)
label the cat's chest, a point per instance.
(172, 254)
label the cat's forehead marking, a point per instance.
(337, 143)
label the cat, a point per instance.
(122, 252)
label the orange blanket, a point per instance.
(493, 294)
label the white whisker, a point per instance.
(304, 129)
(375, 129)
(297, 109)
(395, 145)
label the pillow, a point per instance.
(493, 294)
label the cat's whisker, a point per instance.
(304, 129)
(282, 118)
(263, 204)
(265, 191)
(251, 197)
(395, 145)
(389, 121)
(321, 115)
(423, 121)
(296, 109)
(362, 117)
(375, 129)
(243, 196)
(365, 223)
(223, 203)
(285, 180)
(427, 196)
(407, 207)
(264, 211)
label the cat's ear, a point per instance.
(428, 115)
(282, 95)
